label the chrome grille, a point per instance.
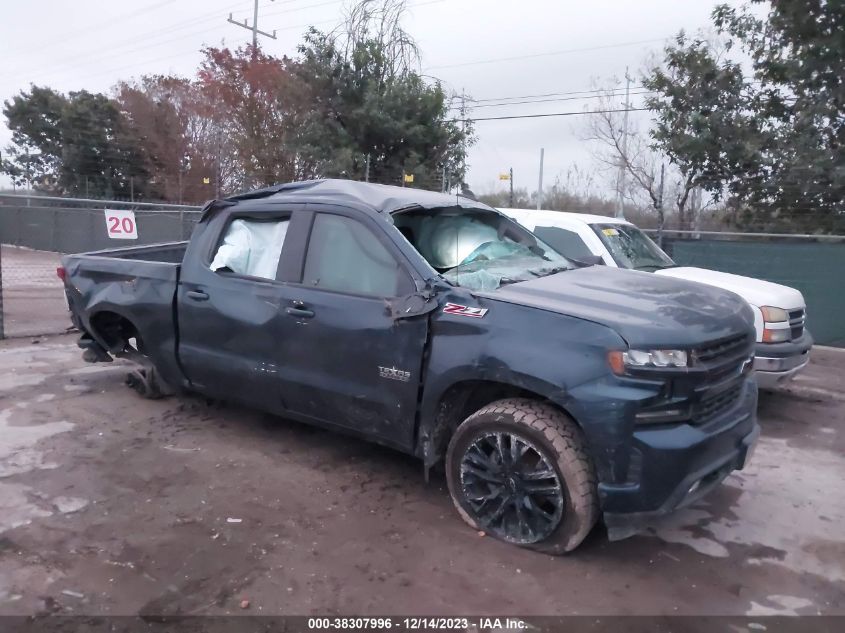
(796, 323)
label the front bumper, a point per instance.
(675, 465)
(776, 363)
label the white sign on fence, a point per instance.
(120, 224)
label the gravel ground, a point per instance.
(110, 504)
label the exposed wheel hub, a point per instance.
(511, 488)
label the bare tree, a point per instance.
(379, 21)
(619, 149)
(649, 177)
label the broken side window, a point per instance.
(252, 248)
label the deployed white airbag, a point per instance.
(252, 248)
(446, 242)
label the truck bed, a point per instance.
(136, 284)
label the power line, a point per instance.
(305, 8)
(335, 2)
(107, 23)
(554, 94)
(127, 47)
(95, 135)
(80, 60)
(514, 103)
(548, 54)
(83, 58)
(192, 51)
(549, 114)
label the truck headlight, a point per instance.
(619, 361)
(774, 315)
(775, 334)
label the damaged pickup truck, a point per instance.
(554, 392)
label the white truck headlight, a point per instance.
(619, 361)
(781, 332)
(774, 315)
(776, 336)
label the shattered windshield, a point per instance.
(478, 249)
(498, 263)
(631, 248)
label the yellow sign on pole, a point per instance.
(409, 177)
(504, 176)
(206, 181)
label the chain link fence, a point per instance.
(36, 231)
(32, 299)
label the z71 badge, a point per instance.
(455, 308)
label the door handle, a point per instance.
(198, 295)
(300, 312)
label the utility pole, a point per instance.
(367, 169)
(620, 210)
(510, 178)
(219, 176)
(660, 218)
(695, 210)
(253, 27)
(540, 185)
(463, 135)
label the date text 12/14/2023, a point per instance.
(418, 623)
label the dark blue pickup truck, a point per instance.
(556, 393)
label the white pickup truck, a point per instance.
(783, 343)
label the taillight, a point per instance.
(61, 273)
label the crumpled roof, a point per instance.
(382, 198)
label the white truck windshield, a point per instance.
(631, 248)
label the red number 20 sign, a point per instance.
(120, 224)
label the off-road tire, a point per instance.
(559, 439)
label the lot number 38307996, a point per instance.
(120, 224)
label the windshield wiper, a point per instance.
(654, 267)
(546, 273)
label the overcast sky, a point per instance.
(489, 48)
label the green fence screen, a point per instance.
(817, 269)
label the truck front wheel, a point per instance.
(518, 470)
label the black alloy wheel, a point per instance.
(511, 488)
